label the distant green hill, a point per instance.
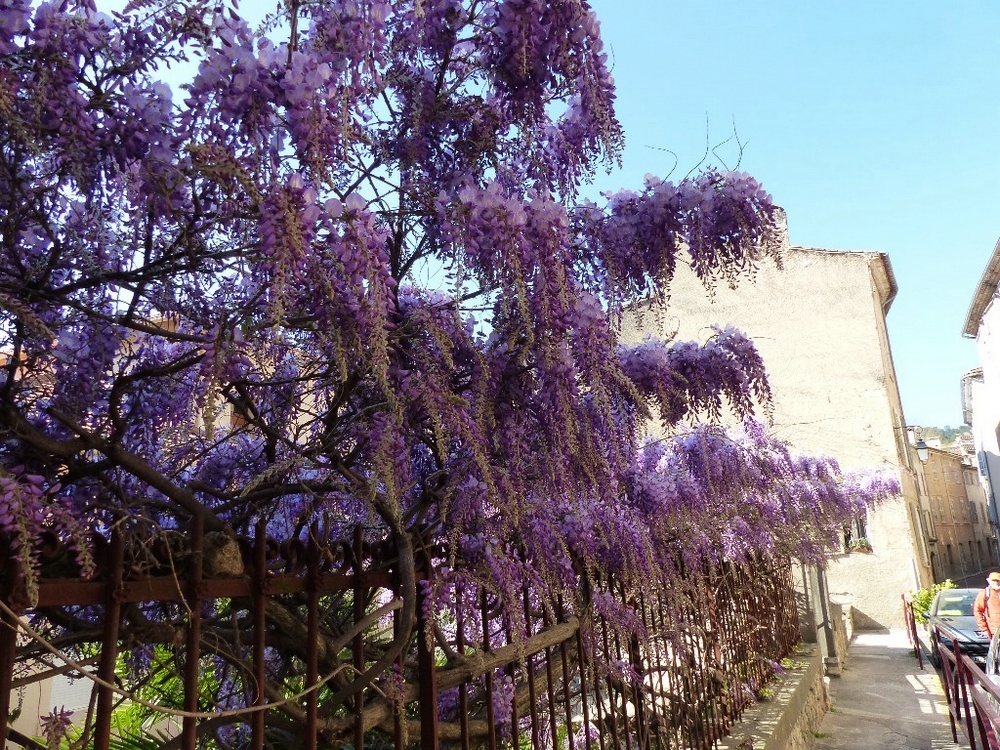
(946, 434)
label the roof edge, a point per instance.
(879, 266)
(888, 294)
(983, 294)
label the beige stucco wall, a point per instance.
(820, 328)
(950, 504)
(31, 702)
(39, 699)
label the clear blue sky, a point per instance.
(875, 124)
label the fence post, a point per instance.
(491, 739)
(911, 629)
(427, 667)
(964, 685)
(258, 724)
(109, 641)
(567, 691)
(639, 703)
(8, 646)
(950, 690)
(312, 638)
(358, 643)
(8, 639)
(192, 651)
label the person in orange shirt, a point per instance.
(987, 605)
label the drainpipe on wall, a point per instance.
(805, 604)
(825, 638)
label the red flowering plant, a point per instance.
(213, 300)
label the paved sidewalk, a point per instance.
(883, 701)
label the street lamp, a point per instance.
(922, 451)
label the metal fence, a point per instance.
(973, 696)
(477, 672)
(972, 692)
(910, 623)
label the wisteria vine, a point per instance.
(214, 301)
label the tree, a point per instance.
(216, 306)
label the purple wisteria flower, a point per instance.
(338, 285)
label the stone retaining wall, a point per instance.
(789, 720)
(843, 630)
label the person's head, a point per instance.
(993, 580)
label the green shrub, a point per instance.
(922, 599)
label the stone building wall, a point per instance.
(819, 324)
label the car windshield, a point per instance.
(956, 604)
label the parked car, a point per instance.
(950, 618)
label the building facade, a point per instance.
(981, 386)
(956, 529)
(819, 324)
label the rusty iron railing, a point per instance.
(910, 621)
(488, 675)
(973, 697)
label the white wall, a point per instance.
(986, 405)
(42, 698)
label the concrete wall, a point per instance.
(843, 630)
(790, 719)
(31, 702)
(820, 326)
(39, 699)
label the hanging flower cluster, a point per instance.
(344, 279)
(34, 515)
